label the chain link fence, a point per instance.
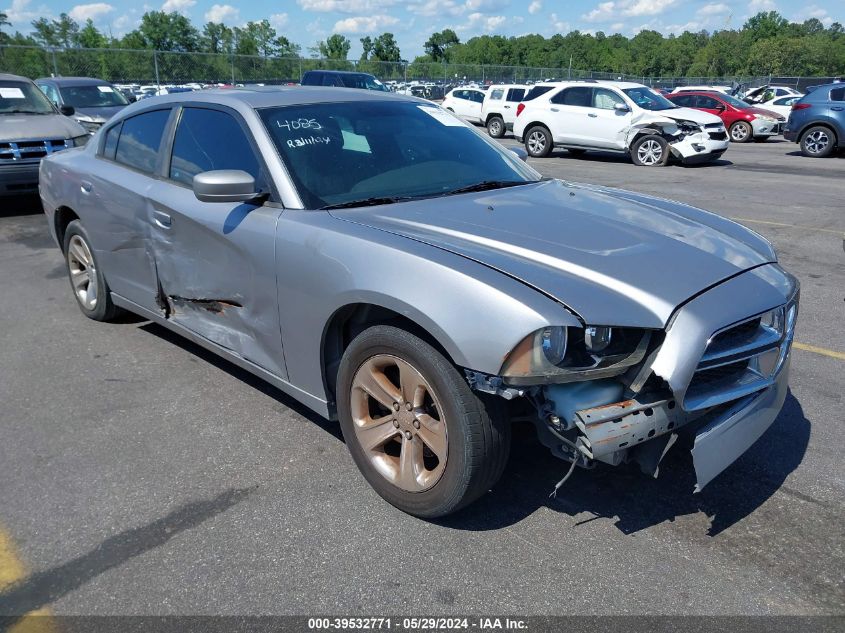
(126, 66)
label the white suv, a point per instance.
(618, 117)
(498, 112)
(466, 103)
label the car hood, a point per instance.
(16, 127)
(103, 113)
(688, 114)
(613, 257)
(763, 112)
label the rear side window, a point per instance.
(574, 97)
(706, 102)
(110, 144)
(496, 94)
(837, 94)
(207, 140)
(516, 94)
(311, 79)
(684, 101)
(140, 138)
(476, 96)
(536, 91)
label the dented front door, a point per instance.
(215, 267)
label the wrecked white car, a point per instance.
(389, 266)
(618, 117)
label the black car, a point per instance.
(342, 79)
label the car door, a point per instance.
(215, 261)
(604, 125)
(115, 194)
(568, 114)
(713, 106)
(475, 98)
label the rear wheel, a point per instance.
(817, 142)
(420, 436)
(86, 278)
(650, 151)
(741, 132)
(496, 127)
(538, 141)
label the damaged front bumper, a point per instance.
(698, 148)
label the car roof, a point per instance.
(707, 93)
(271, 96)
(74, 81)
(338, 72)
(10, 77)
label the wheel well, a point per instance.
(348, 322)
(537, 124)
(821, 124)
(493, 115)
(61, 218)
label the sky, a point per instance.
(412, 21)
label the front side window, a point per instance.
(18, 97)
(343, 153)
(606, 99)
(140, 139)
(207, 140)
(647, 99)
(92, 96)
(708, 103)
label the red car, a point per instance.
(744, 122)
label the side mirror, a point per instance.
(224, 185)
(720, 108)
(67, 110)
(521, 154)
(621, 107)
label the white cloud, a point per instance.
(479, 21)
(486, 6)
(561, 26)
(436, 8)
(84, 12)
(19, 11)
(617, 26)
(344, 6)
(535, 7)
(364, 24)
(714, 8)
(677, 29)
(177, 6)
(814, 11)
(279, 20)
(222, 13)
(606, 11)
(756, 6)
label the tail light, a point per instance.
(800, 106)
(520, 108)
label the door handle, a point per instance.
(507, 107)
(837, 108)
(592, 115)
(162, 219)
(555, 110)
(86, 186)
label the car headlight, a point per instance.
(91, 126)
(79, 141)
(558, 354)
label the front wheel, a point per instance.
(496, 127)
(420, 436)
(650, 151)
(538, 141)
(741, 132)
(817, 142)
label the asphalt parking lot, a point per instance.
(142, 475)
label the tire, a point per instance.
(650, 150)
(741, 132)
(461, 445)
(538, 137)
(85, 275)
(576, 152)
(817, 142)
(496, 127)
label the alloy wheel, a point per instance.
(399, 422)
(816, 142)
(536, 142)
(650, 152)
(83, 274)
(739, 132)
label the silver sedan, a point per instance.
(385, 264)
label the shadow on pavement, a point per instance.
(29, 204)
(51, 584)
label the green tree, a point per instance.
(438, 46)
(167, 32)
(4, 21)
(385, 48)
(286, 48)
(335, 47)
(366, 47)
(90, 37)
(216, 38)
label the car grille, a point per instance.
(16, 151)
(718, 136)
(740, 360)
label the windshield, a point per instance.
(648, 99)
(734, 101)
(18, 97)
(92, 96)
(367, 82)
(338, 153)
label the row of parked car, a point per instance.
(693, 124)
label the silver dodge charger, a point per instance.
(388, 266)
